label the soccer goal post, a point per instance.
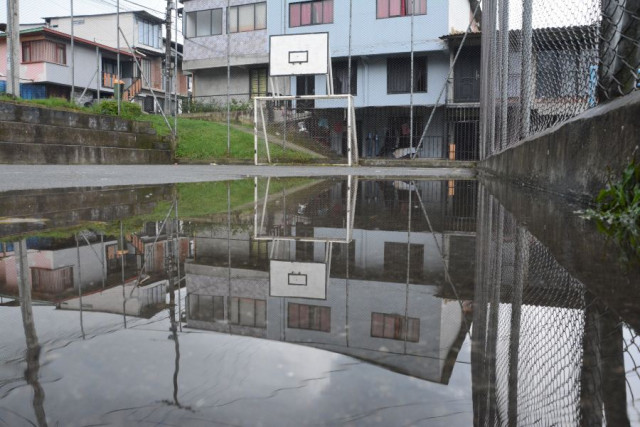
(290, 129)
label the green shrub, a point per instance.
(617, 212)
(128, 110)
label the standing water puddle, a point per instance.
(313, 302)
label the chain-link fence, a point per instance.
(545, 350)
(544, 62)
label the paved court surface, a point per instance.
(30, 177)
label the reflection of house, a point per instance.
(45, 68)
(154, 248)
(373, 310)
(366, 319)
(144, 300)
(144, 34)
(57, 266)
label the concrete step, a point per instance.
(39, 154)
(14, 112)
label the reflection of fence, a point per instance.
(553, 61)
(545, 350)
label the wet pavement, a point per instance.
(332, 300)
(29, 177)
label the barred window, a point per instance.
(399, 74)
(340, 79)
(258, 82)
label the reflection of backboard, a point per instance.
(299, 54)
(298, 279)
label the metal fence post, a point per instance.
(504, 78)
(526, 86)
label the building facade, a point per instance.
(141, 33)
(45, 68)
(388, 46)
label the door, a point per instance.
(466, 76)
(306, 85)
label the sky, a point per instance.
(32, 11)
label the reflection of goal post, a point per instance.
(324, 124)
(295, 278)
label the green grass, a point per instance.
(195, 200)
(203, 140)
(198, 140)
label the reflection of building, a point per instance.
(144, 300)
(387, 293)
(366, 319)
(58, 266)
(153, 247)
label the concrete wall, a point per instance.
(577, 157)
(38, 135)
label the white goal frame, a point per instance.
(258, 112)
(303, 267)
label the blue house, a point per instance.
(380, 34)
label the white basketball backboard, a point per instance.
(299, 54)
(298, 279)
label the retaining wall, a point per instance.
(38, 135)
(576, 158)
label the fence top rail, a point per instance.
(297, 97)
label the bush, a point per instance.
(617, 212)
(128, 110)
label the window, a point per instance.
(149, 34)
(204, 23)
(258, 79)
(395, 327)
(248, 17)
(44, 51)
(397, 255)
(248, 312)
(311, 13)
(340, 81)
(399, 75)
(311, 317)
(393, 8)
(146, 71)
(57, 280)
(206, 307)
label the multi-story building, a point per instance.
(378, 36)
(142, 34)
(45, 68)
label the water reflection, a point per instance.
(448, 302)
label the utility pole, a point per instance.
(119, 97)
(73, 62)
(13, 48)
(167, 59)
